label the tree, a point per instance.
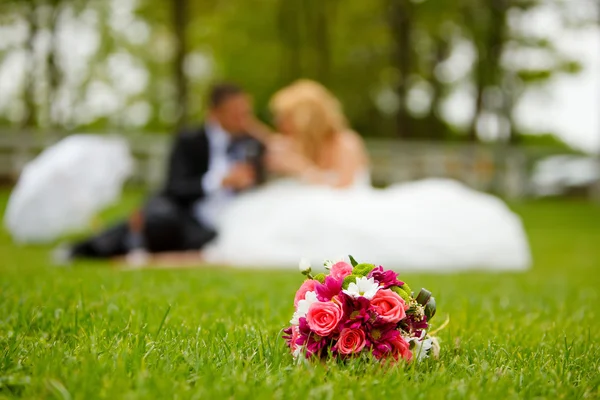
(500, 80)
(53, 72)
(31, 110)
(180, 9)
(400, 19)
(436, 29)
(487, 21)
(288, 26)
(370, 54)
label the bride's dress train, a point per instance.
(429, 225)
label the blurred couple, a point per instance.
(217, 206)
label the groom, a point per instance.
(207, 167)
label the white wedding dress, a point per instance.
(430, 225)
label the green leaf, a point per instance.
(353, 261)
(401, 292)
(423, 297)
(363, 269)
(320, 277)
(407, 289)
(430, 308)
(571, 67)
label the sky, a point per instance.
(570, 105)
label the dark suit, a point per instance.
(169, 220)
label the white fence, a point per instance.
(503, 170)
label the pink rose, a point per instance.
(340, 270)
(389, 306)
(324, 317)
(351, 341)
(401, 349)
(307, 286)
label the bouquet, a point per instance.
(360, 309)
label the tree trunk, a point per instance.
(180, 22)
(489, 56)
(512, 91)
(497, 40)
(496, 37)
(435, 126)
(322, 39)
(53, 71)
(480, 84)
(400, 22)
(290, 39)
(29, 119)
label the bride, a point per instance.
(324, 206)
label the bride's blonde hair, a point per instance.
(314, 113)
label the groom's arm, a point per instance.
(255, 152)
(259, 165)
(188, 163)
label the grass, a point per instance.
(96, 332)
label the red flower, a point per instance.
(326, 291)
(400, 348)
(351, 341)
(385, 278)
(389, 306)
(324, 317)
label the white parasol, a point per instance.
(66, 185)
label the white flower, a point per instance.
(329, 263)
(364, 287)
(303, 306)
(304, 265)
(297, 351)
(295, 319)
(421, 349)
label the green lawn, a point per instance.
(96, 332)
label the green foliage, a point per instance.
(423, 297)
(363, 51)
(320, 277)
(401, 292)
(546, 140)
(407, 289)
(430, 308)
(363, 269)
(94, 331)
(531, 76)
